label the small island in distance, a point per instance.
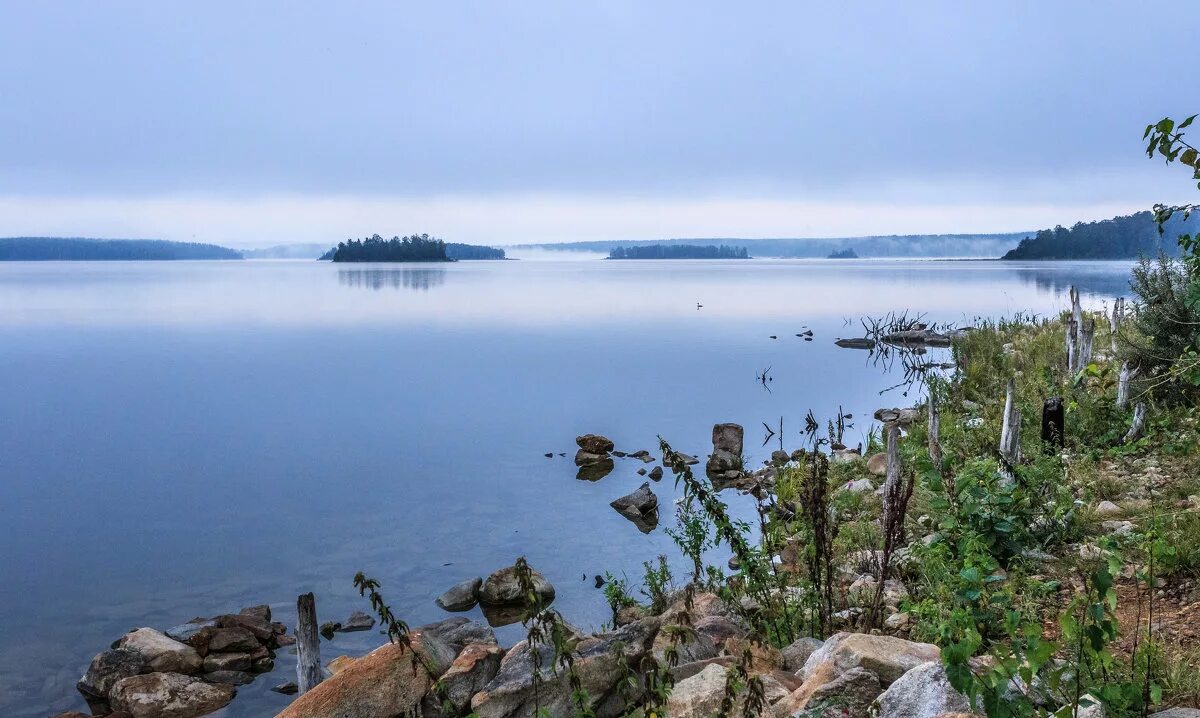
(412, 248)
(679, 251)
(847, 253)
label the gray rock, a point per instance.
(719, 629)
(358, 621)
(798, 652)
(596, 470)
(637, 504)
(856, 343)
(232, 640)
(850, 694)
(474, 668)
(886, 656)
(458, 632)
(185, 631)
(214, 662)
(229, 678)
(1177, 713)
(594, 443)
(287, 688)
(858, 486)
(261, 612)
(779, 457)
(105, 670)
(656, 473)
(169, 695)
(728, 437)
(461, 596)
(162, 653)
(502, 588)
(923, 692)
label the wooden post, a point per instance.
(1052, 424)
(1127, 374)
(1072, 337)
(1138, 425)
(935, 442)
(1074, 327)
(1010, 432)
(308, 644)
(1087, 335)
(1114, 321)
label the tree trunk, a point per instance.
(1010, 432)
(1053, 426)
(308, 644)
(935, 442)
(1072, 339)
(1087, 336)
(1139, 424)
(1127, 374)
(1114, 321)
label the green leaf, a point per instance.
(1186, 122)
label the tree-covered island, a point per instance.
(679, 251)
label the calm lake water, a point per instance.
(183, 439)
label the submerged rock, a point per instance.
(856, 343)
(502, 588)
(461, 596)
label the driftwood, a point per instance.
(308, 644)
(1087, 335)
(1053, 424)
(935, 442)
(1010, 432)
(1123, 379)
(1115, 319)
(1138, 425)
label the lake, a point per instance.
(188, 438)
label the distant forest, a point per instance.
(1119, 238)
(910, 245)
(454, 250)
(847, 253)
(414, 248)
(679, 251)
(29, 249)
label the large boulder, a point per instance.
(511, 693)
(847, 694)
(728, 437)
(502, 588)
(105, 671)
(474, 668)
(461, 596)
(638, 504)
(458, 632)
(887, 657)
(594, 443)
(1177, 713)
(388, 681)
(700, 695)
(795, 654)
(169, 695)
(234, 639)
(877, 464)
(163, 653)
(923, 692)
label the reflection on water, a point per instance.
(1098, 278)
(418, 279)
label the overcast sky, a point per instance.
(253, 123)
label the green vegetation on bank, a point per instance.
(1125, 237)
(679, 251)
(31, 249)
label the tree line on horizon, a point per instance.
(679, 251)
(1125, 237)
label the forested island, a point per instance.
(46, 249)
(847, 253)
(679, 251)
(413, 248)
(1126, 237)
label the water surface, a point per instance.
(182, 439)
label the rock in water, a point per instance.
(728, 437)
(358, 621)
(385, 682)
(637, 504)
(169, 695)
(595, 471)
(594, 443)
(163, 653)
(503, 589)
(923, 692)
(656, 473)
(461, 596)
(105, 670)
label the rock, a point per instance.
(1177, 713)
(385, 682)
(656, 473)
(1090, 707)
(358, 621)
(287, 688)
(844, 456)
(904, 417)
(232, 640)
(686, 670)
(828, 693)
(862, 592)
(261, 612)
(458, 632)
(700, 695)
(641, 472)
(898, 621)
(186, 631)
(719, 629)
(877, 464)
(923, 692)
(339, 664)
(637, 504)
(763, 658)
(856, 343)
(696, 648)
(502, 588)
(105, 670)
(728, 437)
(163, 654)
(226, 662)
(168, 695)
(858, 486)
(230, 678)
(461, 596)
(583, 458)
(628, 614)
(886, 656)
(511, 693)
(595, 471)
(263, 631)
(594, 443)
(474, 668)
(1108, 508)
(780, 457)
(798, 652)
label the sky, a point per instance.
(260, 123)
